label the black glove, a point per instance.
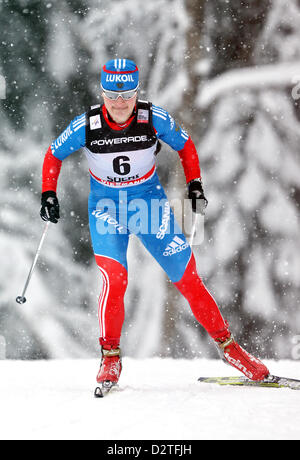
(50, 207)
(196, 194)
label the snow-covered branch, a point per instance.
(261, 77)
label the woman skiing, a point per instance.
(120, 138)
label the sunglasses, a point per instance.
(113, 95)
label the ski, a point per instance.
(272, 381)
(104, 389)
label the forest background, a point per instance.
(229, 72)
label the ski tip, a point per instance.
(98, 393)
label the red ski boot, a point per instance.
(111, 366)
(233, 354)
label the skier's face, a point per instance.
(120, 109)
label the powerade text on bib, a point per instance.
(127, 156)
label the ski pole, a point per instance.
(193, 230)
(22, 299)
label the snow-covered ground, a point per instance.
(157, 399)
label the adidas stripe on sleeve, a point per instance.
(72, 139)
(168, 131)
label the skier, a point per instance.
(120, 138)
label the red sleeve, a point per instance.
(51, 170)
(190, 161)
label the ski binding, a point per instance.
(104, 389)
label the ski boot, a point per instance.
(110, 367)
(232, 353)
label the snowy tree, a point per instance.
(46, 326)
(251, 161)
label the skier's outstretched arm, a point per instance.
(71, 140)
(168, 131)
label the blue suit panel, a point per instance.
(144, 211)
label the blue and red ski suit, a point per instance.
(127, 198)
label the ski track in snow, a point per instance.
(158, 399)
